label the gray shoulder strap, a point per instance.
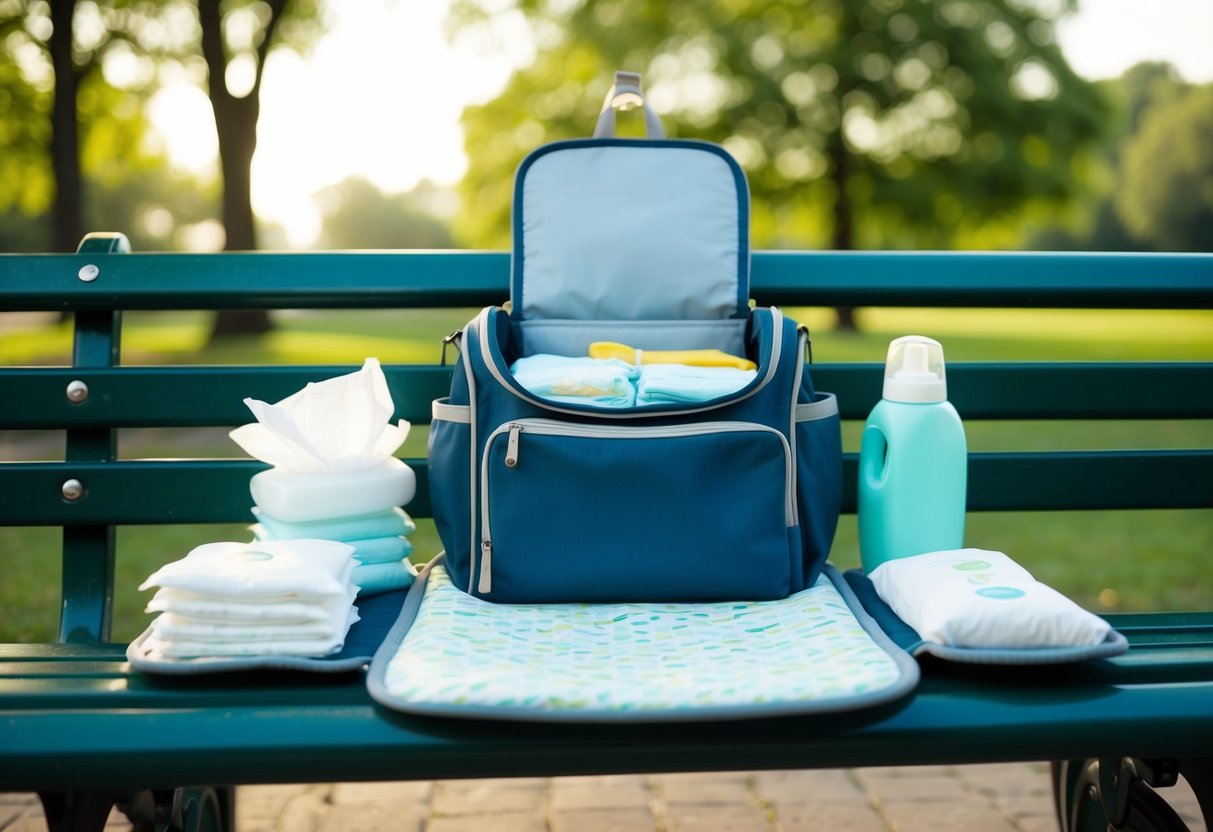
(625, 94)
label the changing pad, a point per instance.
(452, 654)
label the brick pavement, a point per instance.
(1013, 797)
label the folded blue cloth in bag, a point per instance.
(393, 521)
(604, 382)
(664, 383)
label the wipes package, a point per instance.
(331, 446)
(309, 498)
(981, 598)
(328, 427)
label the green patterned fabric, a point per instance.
(808, 652)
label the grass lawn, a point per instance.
(1105, 560)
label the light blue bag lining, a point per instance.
(573, 337)
(451, 654)
(632, 230)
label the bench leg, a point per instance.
(1117, 794)
(77, 811)
(203, 809)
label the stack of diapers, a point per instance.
(611, 382)
(983, 600)
(334, 476)
(264, 599)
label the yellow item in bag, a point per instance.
(692, 358)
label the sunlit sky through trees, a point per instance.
(379, 95)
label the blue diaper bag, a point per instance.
(643, 242)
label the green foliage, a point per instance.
(1166, 193)
(357, 215)
(913, 123)
(126, 185)
(26, 184)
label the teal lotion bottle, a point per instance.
(913, 460)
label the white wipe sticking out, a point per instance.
(980, 598)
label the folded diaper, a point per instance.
(206, 600)
(201, 609)
(160, 648)
(979, 598)
(606, 382)
(180, 628)
(664, 383)
(373, 578)
(387, 523)
(310, 569)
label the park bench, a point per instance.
(83, 729)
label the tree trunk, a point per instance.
(236, 127)
(65, 137)
(841, 238)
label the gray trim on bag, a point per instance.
(441, 410)
(470, 373)
(825, 407)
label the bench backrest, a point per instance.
(90, 491)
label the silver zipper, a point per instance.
(511, 448)
(550, 427)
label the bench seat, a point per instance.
(120, 728)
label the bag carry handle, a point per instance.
(625, 94)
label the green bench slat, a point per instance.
(142, 492)
(216, 491)
(213, 396)
(169, 396)
(298, 736)
(465, 278)
(1044, 390)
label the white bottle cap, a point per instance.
(914, 371)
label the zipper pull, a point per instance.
(511, 448)
(486, 568)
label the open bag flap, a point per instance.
(630, 229)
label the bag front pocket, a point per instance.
(579, 512)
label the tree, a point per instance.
(1099, 225)
(357, 215)
(262, 24)
(118, 181)
(860, 123)
(26, 183)
(76, 136)
(1166, 192)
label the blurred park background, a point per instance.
(200, 125)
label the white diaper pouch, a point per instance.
(976, 598)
